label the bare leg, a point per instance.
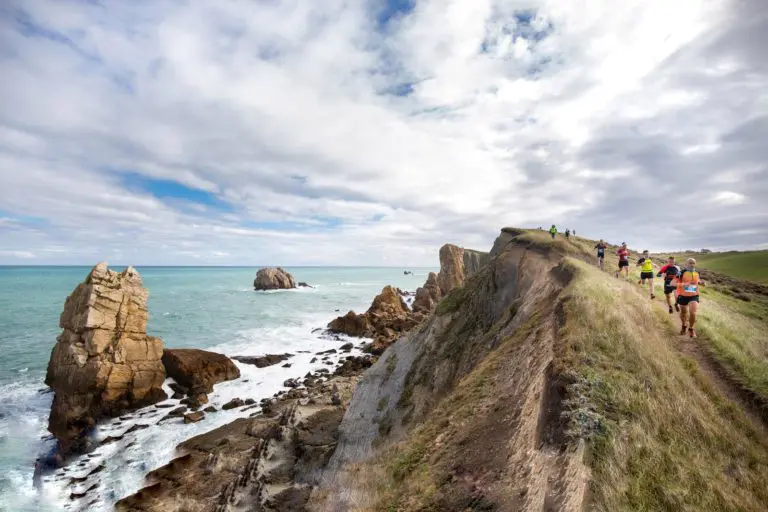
(650, 287)
(693, 306)
(683, 318)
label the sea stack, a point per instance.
(273, 278)
(103, 363)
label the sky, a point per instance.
(371, 132)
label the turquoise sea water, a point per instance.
(204, 307)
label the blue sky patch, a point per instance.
(173, 190)
(316, 223)
(393, 10)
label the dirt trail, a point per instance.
(754, 408)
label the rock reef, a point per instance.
(103, 363)
(273, 278)
(386, 319)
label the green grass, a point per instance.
(663, 442)
(737, 335)
(748, 265)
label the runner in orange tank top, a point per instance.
(688, 284)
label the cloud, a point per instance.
(372, 132)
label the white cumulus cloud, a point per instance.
(289, 132)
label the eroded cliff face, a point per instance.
(103, 362)
(496, 440)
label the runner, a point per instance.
(688, 296)
(646, 272)
(623, 254)
(567, 233)
(553, 231)
(670, 271)
(600, 253)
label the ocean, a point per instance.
(213, 308)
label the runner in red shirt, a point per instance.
(670, 271)
(623, 254)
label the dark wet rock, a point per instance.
(250, 401)
(287, 365)
(302, 284)
(263, 361)
(135, 428)
(314, 360)
(178, 388)
(347, 347)
(353, 365)
(291, 383)
(325, 352)
(194, 417)
(164, 406)
(210, 408)
(198, 370)
(177, 396)
(235, 402)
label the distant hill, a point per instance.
(748, 265)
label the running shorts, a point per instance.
(669, 289)
(646, 275)
(683, 301)
(623, 263)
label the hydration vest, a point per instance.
(688, 283)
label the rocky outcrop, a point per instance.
(103, 362)
(263, 361)
(267, 462)
(428, 295)
(456, 264)
(386, 319)
(198, 370)
(273, 278)
(351, 324)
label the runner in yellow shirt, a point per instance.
(646, 272)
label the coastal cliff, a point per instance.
(536, 382)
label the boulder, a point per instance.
(198, 370)
(232, 404)
(103, 363)
(263, 361)
(273, 278)
(194, 417)
(351, 324)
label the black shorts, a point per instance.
(600, 256)
(623, 263)
(669, 289)
(683, 301)
(646, 275)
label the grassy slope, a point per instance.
(734, 330)
(660, 437)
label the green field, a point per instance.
(749, 265)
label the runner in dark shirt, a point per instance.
(601, 247)
(670, 271)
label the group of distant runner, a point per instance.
(681, 285)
